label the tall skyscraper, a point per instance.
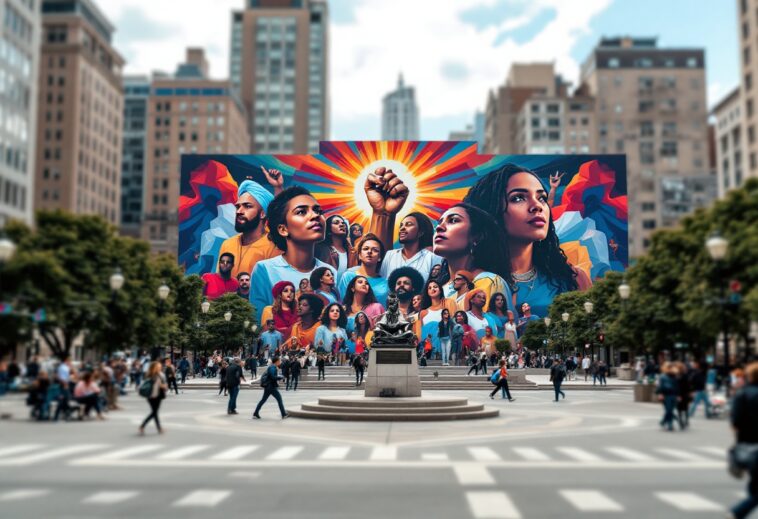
(650, 104)
(400, 114)
(748, 49)
(136, 94)
(19, 66)
(278, 64)
(186, 113)
(79, 131)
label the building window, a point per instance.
(647, 129)
(648, 224)
(613, 63)
(648, 207)
(669, 149)
(647, 156)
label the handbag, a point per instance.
(743, 457)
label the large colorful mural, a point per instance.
(492, 237)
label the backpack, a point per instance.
(495, 377)
(264, 382)
(146, 388)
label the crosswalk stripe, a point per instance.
(206, 498)
(284, 453)
(384, 453)
(334, 453)
(716, 451)
(590, 501)
(471, 474)
(109, 498)
(23, 493)
(681, 455)
(689, 502)
(235, 453)
(531, 454)
(182, 452)
(130, 451)
(629, 454)
(51, 454)
(434, 456)
(18, 449)
(492, 505)
(483, 454)
(578, 454)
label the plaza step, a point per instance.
(421, 409)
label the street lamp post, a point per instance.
(564, 317)
(547, 327)
(624, 292)
(244, 335)
(7, 250)
(204, 307)
(588, 306)
(254, 328)
(116, 282)
(227, 318)
(163, 292)
(717, 248)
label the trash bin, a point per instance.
(644, 392)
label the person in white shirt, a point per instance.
(415, 234)
(586, 367)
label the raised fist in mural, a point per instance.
(385, 191)
(274, 178)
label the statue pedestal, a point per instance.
(392, 372)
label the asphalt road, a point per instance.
(596, 453)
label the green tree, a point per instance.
(230, 335)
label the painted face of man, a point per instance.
(248, 213)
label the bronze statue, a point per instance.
(393, 329)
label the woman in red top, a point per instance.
(502, 383)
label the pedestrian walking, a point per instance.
(184, 367)
(602, 371)
(233, 377)
(321, 365)
(222, 378)
(154, 389)
(500, 379)
(697, 381)
(586, 367)
(295, 369)
(287, 372)
(270, 384)
(474, 361)
(557, 374)
(668, 394)
(171, 376)
(359, 365)
(745, 424)
(483, 363)
(684, 395)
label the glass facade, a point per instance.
(136, 92)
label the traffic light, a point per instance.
(600, 337)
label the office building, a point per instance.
(278, 65)
(80, 111)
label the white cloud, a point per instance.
(414, 37)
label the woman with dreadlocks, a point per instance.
(517, 199)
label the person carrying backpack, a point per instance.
(500, 379)
(270, 384)
(154, 389)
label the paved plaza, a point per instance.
(596, 453)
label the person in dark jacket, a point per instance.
(233, 376)
(271, 388)
(557, 374)
(668, 394)
(745, 424)
(222, 378)
(321, 364)
(286, 372)
(184, 367)
(684, 393)
(359, 364)
(697, 381)
(294, 370)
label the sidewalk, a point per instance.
(544, 380)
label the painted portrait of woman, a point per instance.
(539, 269)
(470, 240)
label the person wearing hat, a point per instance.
(296, 224)
(252, 245)
(283, 312)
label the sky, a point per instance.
(452, 51)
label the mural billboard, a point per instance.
(480, 241)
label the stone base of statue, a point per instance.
(392, 372)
